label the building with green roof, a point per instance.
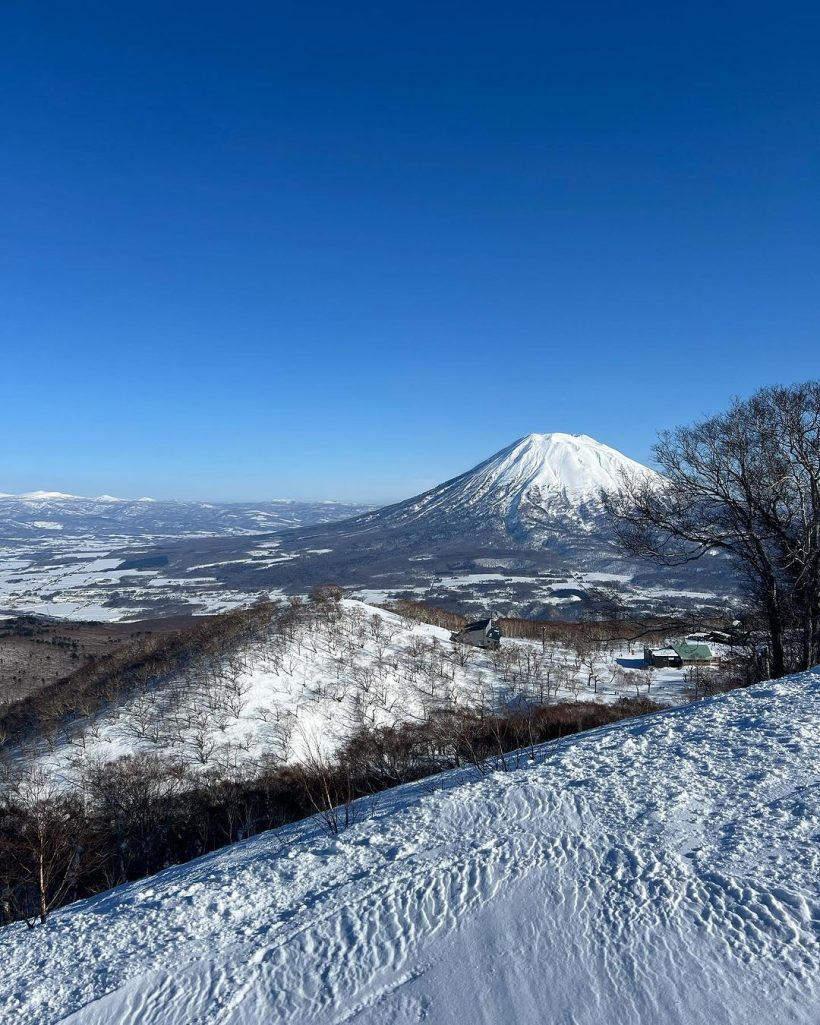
(692, 653)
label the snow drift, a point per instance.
(661, 870)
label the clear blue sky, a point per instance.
(349, 249)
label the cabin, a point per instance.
(694, 653)
(485, 633)
(676, 656)
(662, 658)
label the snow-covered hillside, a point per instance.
(305, 690)
(663, 870)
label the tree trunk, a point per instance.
(778, 663)
(41, 889)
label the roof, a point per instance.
(692, 652)
(664, 652)
(480, 624)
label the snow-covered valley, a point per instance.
(96, 558)
(659, 870)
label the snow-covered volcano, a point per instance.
(537, 482)
(573, 466)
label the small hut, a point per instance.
(485, 633)
(662, 658)
(683, 653)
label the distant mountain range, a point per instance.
(38, 513)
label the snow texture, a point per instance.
(663, 870)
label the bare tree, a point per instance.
(747, 483)
(42, 841)
(328, 786)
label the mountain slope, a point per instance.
(550, 481)
(661, 870)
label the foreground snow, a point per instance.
(663, 870)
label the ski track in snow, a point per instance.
(662, 870)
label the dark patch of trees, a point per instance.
(432, 615)
(651, 629)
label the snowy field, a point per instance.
(662, 871)
(306, 691)
(516, 592)
(59, 553)
(79, 579)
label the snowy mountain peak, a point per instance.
(44, 496)
(574, 466)
(524, 493)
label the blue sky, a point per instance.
(347, 250)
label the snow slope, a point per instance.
(662, 871)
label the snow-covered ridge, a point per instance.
(61, 496)
(660, 870)
(299, 695)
